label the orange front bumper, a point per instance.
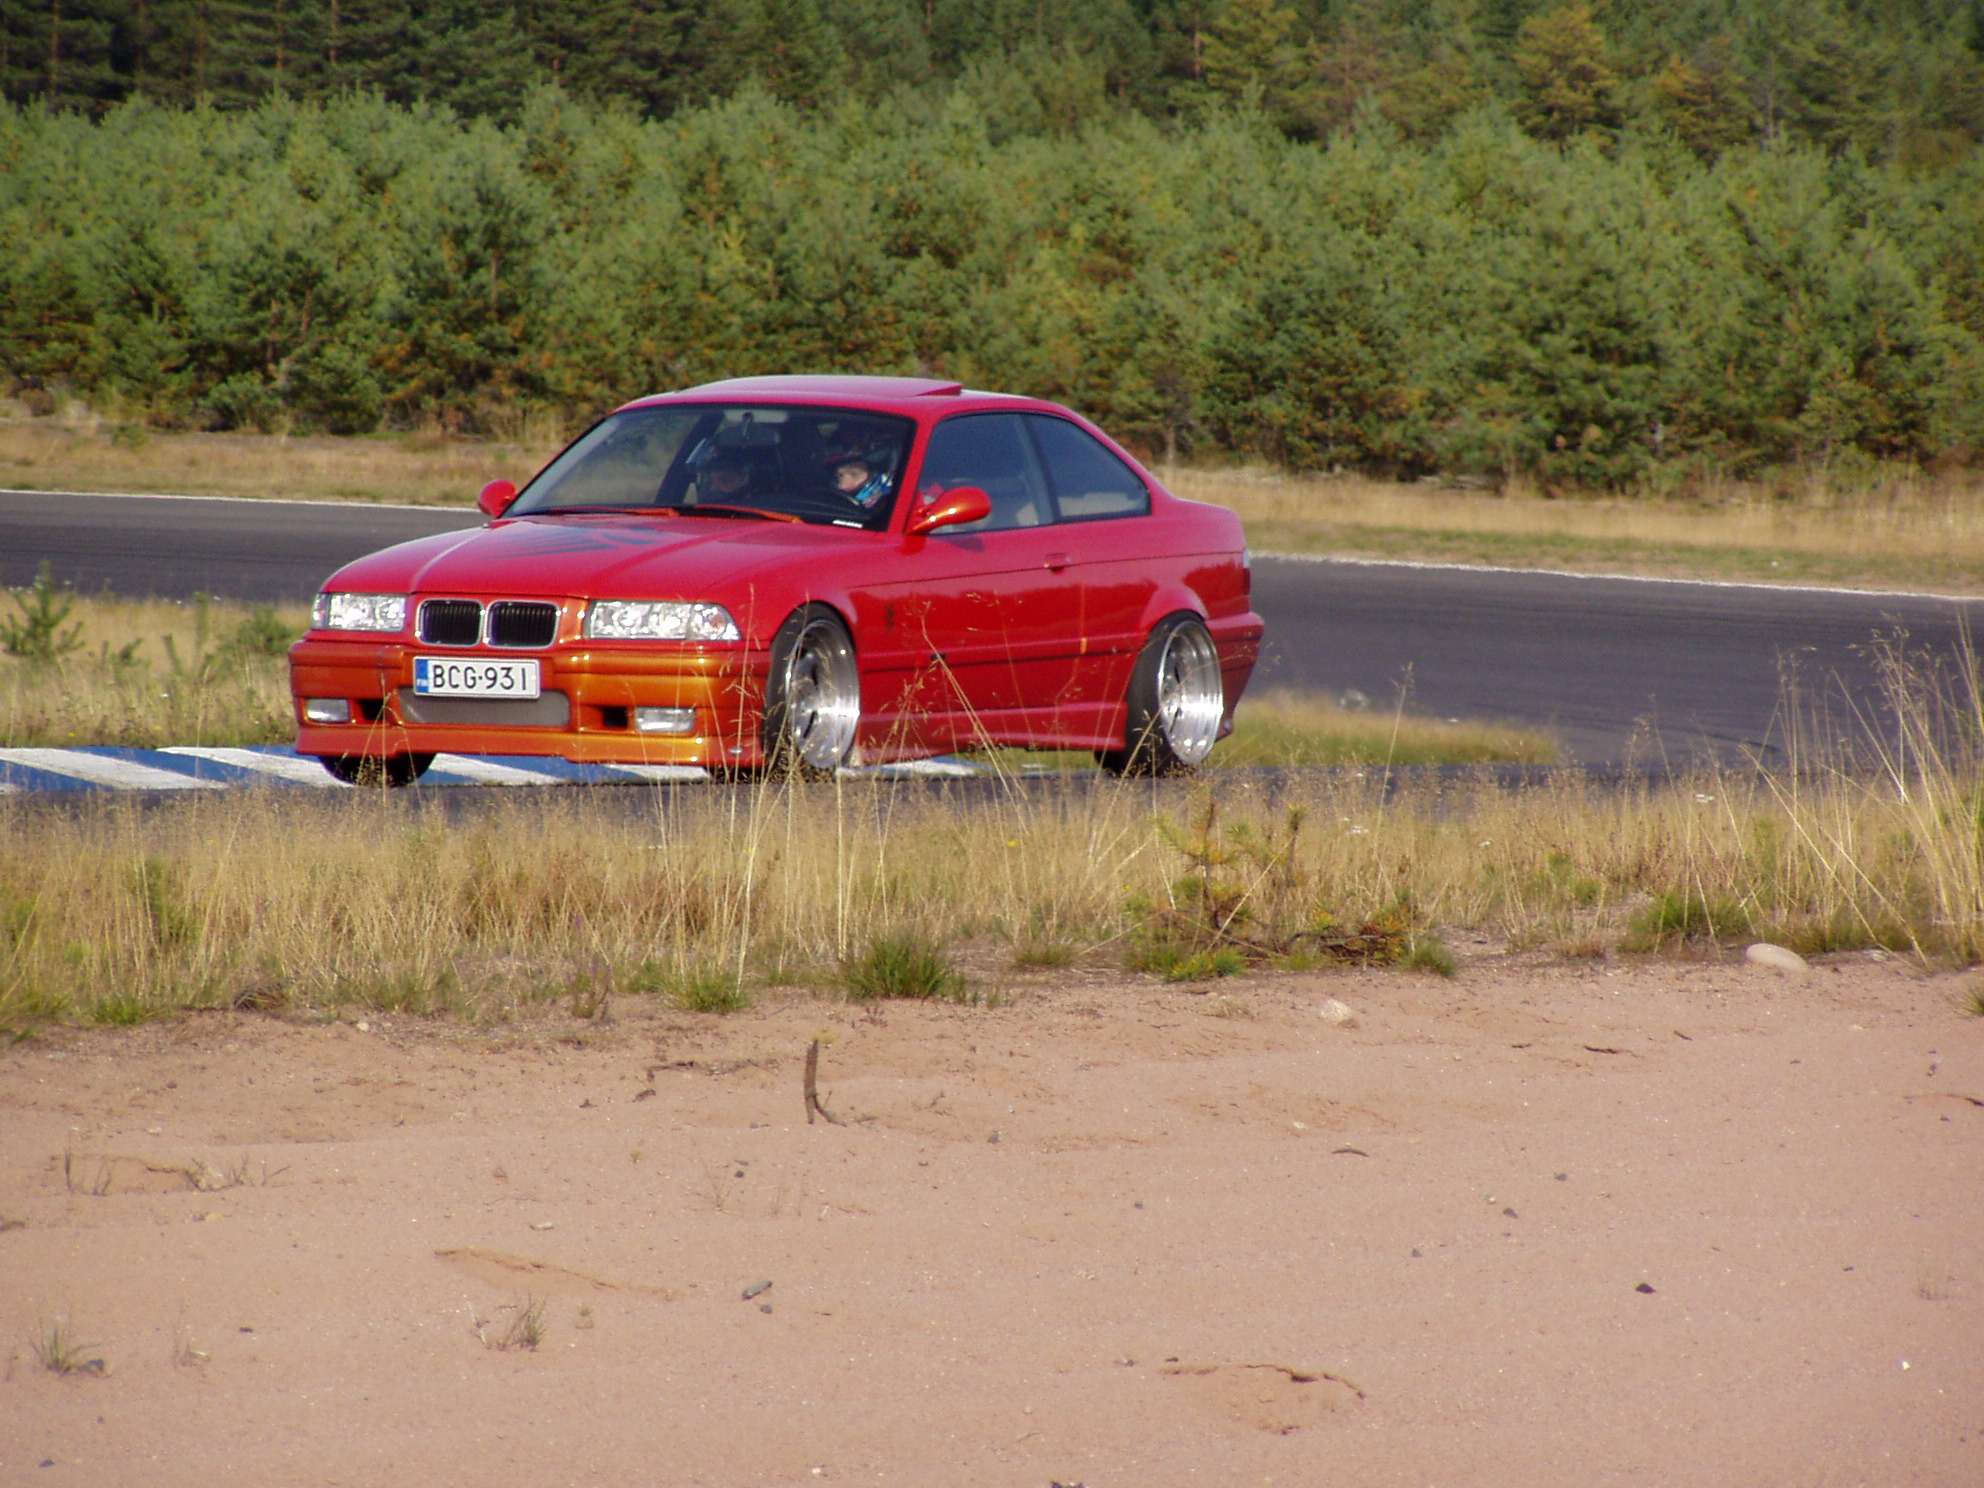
(584, 713)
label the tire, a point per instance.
(812, 695)
(1176, 701)
(389, 771)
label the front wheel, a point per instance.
(812, 695)
(389, 770)
(1176, 700)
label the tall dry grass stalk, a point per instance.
(117, 911)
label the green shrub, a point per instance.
(707, 988)
(904, 964)
(1682, 915)
(35, 634)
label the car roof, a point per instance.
(910, 395)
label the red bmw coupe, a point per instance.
(796, 573)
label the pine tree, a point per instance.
(1250, 48)
(58, 53)
(471, 57)
(1566, 80)
(1355, 64)
(783, 45)
(1703, 99)
(636, 50)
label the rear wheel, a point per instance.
(813, 694)
(1176, 701)
(388, 770)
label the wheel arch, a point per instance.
(1169, 600)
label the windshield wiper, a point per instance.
(719, 509)
(597, 508)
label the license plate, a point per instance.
(461, 676)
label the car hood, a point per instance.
(604, 557)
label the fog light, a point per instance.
(327, 710)
(664, 720)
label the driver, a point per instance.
(856, 478)
(725, 478)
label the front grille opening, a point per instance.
(369, 709)
(451, 622)
(522, 622)
(612, 716)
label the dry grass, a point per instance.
(111, 910)
(1278, 727)
(1894, 530)
(146, 673)
(524, 1328)
(80, 450)
(59, 1350)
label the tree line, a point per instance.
(1895, 79)
(1598, 309)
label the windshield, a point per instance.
(827, 465)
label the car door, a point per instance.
(993, 605)
(1103, 508)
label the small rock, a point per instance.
(1777, 958)
(1509, 1213)
(1644, 1290)
(755, 1288)
(764, 1307)
(1338, 1014)
(993, 1138)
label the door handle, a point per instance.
(1057, 561)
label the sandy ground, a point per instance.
(1548, 1224)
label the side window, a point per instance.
(1088, 480)
(988, 450)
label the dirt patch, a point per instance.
(1549, 1223)
(1266, 1397)
(520, 1273)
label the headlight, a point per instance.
(359, 612)
(648, 620)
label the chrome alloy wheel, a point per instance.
(822, 694)
(1190, 695)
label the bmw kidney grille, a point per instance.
(515, 623)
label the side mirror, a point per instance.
(951, 508)
(496, 496)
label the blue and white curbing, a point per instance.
(185, 767)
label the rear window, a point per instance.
(1089, 482)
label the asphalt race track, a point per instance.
(173, 547)
(1599, 661)
(1699, 667)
